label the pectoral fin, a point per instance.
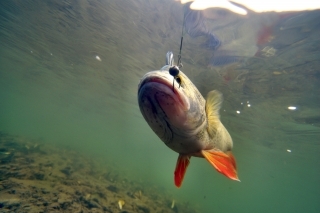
(222, 162)
(181, 168)
(213, 105)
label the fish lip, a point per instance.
(164, 80)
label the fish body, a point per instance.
(186, 122)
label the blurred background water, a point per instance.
(69, 72)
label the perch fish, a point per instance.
(186, 122)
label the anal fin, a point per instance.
(223, 162)
(181, 168)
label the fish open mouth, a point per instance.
(163, 90)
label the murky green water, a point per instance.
(53, 87)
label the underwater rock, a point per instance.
(27, 207)
(44, 191)
(112, 188)
(101, 195)
(90, 204)
(105, 209)
(64, 204)
(38, 176)
(67, 171)
(144, 209)
(55, 206)
(11, 191)
(9, 203)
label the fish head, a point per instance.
(170, 105)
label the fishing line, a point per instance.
(181, 41)
(174, 70)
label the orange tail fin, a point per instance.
(224, 163)
(181, 168)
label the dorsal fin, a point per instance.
(213, 105)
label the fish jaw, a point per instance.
(157, 88)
